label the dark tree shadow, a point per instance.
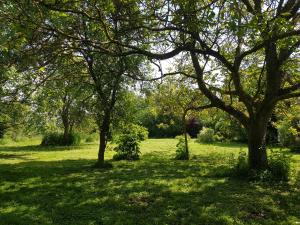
(149, 191)
(38, 148)
(14, 156)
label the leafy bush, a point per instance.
(181, 153)
(4, 141)
(140, 131)
(91, 138)
(129, 142)
(289, 130)
(2, 129)
(241, 167)
(57, 139)
(128, 147)
(206, 135)
(285, 133)
(280, 166)
(296, 146)
(182, 136)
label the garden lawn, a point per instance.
(58, 185)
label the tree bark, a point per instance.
(104, 132)
(102, 146)
(66, 124)
(185, 133)
(257, 152)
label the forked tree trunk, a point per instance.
(257, 152)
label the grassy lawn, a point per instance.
(58, 186)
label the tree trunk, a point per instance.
(66, 125)
(104, 131)
(185, 134)
(66, 133)
(102, 146)
(257, 152)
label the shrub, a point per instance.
(206, 135)
(289, 133)
(182, 136)
(128, 147)
(140, 131)
(280, 166)
(129, 142)
(241, 167)
(296, 146)
(285, 133)
(4, 141)
(73, 139)
(57, 139)
(91, 138)
(181, 153)
(3, 128)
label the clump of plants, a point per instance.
(279, 168)
(289, 130)
(128, 142)
(91, 138)
(206, 135)
(182, 152)
(59, 139)
(280, 165)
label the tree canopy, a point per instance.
(243, 55)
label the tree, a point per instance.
(179, 98)
(59, 29)
(65, 99)
(251, 47)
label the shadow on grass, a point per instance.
(39, 148)
(225, 144)
(144, 192)
(14, 156)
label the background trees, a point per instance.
(242, 54)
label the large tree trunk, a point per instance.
(104, 132)
(257, 153)
(102, 146)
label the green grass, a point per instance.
(41, 185)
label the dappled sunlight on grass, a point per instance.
(61, 187)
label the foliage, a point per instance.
(129, 142)
(178, 137)
(58, 139)
(2, 129)
(128, 147)
(91, 138)
(241, 168)
(161, 126)
(296, 145)
(285, 133)
(181, 151)
(280, 166)
(140, 131)
(206, 135)
(289, 128)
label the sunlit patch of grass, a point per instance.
(59, 186)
